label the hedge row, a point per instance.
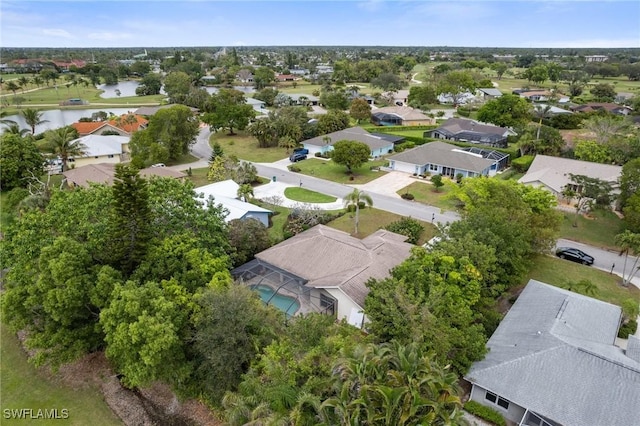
(486, 413)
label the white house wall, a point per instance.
(514, 413)
(345, 303)
(85, 161)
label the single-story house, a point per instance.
(225, 193)
(303, 99)
(603, 106)
(471, 131)
(379, 143)
(553, 173)
(101, 149)
(257, 105)
(541, 95)
(449, 160)
(462, 98)
(104, 173)
(325, 270)
(286, 77)
(488, 93)
(398, 97)
(553, 110)
(553, 361)
(400, 116)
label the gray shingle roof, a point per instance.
(326, 257)
(554, 171)
(352, 134)
(443, 154)
(458, 125)
(553, 353)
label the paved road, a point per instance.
(604, 259)
(382, 202)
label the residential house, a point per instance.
(130, 122)
(225, 193)
(603, 106)
(303, 99)
(471, 131)
(101, 149)
(541, 95)
(85, 128)
(286, 77)
(449, 160)
(596, 58)
(258, 106)
(553, 110)
(380, 144)
(397, 97)
(104, 173)
(553, 361)
(400, 116)
(553, 173)
(461, 98)
(488, 94)
(325, 270)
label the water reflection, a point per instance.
(59, 118)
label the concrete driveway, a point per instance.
(389, 184)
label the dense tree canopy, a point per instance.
(229, 110)
(20, 160)
(351, 154)
(506, 111)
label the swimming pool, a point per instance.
(286, 304)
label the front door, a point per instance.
(448, 171)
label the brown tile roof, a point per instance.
(120, 123)
(327, 257)
(104, 173)
(88, 127)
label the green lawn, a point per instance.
(510, 174)
(598, 230)
(199, 177)
(557, 272)
(372, 219)
(184, 159)
(25, 387)
(307, 196)
(329, 170)
(245, 147)
(425, 193)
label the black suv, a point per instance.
(574, 255)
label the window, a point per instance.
(328, 303)
(433, 167)
(110, 156)
(501, 402)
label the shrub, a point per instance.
(294, 168)
(459, 177)
(317, 154)
(522, 164)
(408, 227)
(486, 413)
(628, 329)
(408, 196)
(14, 197)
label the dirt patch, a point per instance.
(571, 136)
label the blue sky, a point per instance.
(108, 23)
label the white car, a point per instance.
(158, 165)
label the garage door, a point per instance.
(404, 167)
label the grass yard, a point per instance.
(510, 174)
(599, 230)
(307, 196)
(410, 132)
(23, 387)
(184, 159)
(245, 147)
(372, 219)
(329, 170)
(557, 272)
(425, 193)
(199, 177)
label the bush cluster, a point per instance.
(486, 413)
(408, 196)
(294, 168)
(522, 164)
(627, 329)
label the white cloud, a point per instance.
(56, 32)
(108, 36)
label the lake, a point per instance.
(128, 88)
(59, 118)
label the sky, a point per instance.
(523, 24)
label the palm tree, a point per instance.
(23, 82)
(354, 199)
(33, 118)
(541, 112)
(62, 143)
(628, 242)
(13, 86)
(37, 80)
(245, 192)
(13, 128)
(5, 121)
(287, 142)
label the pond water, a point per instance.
(59, 118)
(128, 88)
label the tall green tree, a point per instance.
(629, 243)
(355, 199)
(360, 110)
(229, 110)
(333, 121)
(177, 85)
(263, 77)
(456, 84)
(63, 142)
(132, 230)
(20, 160)
(33, 118)
(506, 111)
(629, 180)
(588, 192)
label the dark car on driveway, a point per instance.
(296, 156)
(574, 255)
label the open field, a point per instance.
(372, 219)
(558, 272)
(599, 229)
(327, 169)
(25, 387)
(245, 147)
(307, 196)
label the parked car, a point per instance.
(574, 255)
(304, 151)
(158, 165)
(296, 156)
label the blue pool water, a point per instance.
(286, 304)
